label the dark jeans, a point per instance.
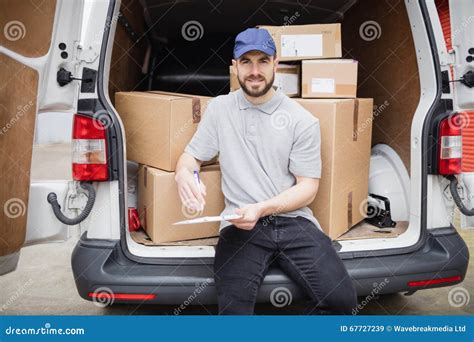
(302, 251)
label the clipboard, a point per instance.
(205, 219)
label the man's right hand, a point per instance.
(189, 192)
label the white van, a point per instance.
(62, 61)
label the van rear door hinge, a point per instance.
(467, 79)
(64, 77)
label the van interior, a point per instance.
(150, 53)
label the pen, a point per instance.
(198, 183)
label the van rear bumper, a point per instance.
(101, 264)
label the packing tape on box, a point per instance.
(145, 174)
(355, 127)
(294, 70)
(196, 102)
(143, 220)
(349, 209)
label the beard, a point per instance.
(256, 92)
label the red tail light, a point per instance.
(450, 145)
(434, 281)
(89, 151)
(124, 296)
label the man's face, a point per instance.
(255, 72)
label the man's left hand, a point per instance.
(250, 215)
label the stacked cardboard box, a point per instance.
(159, 205)
(346, 133)
(318, 49)
(328, 87)
(329, 78)
(298, 42)
(158, 126)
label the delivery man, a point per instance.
(269, 154)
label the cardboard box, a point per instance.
(159, 205)
(158, 126)
(199, 108)
(329, 78)
(203, 100)
(346, 131)
(287, 78)
(298, 42)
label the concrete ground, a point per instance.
(43, 284)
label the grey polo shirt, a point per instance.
(261, 148)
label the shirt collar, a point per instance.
(267, 107)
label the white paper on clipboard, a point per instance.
(205, 219)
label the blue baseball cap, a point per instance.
(254, 39)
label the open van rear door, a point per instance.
(36, 40)
(461, 22)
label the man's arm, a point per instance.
(298, 196)
(187, 162)
(203, 146)
(187, 188)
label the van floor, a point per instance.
(363, 230)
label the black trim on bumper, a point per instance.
(101, 263)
